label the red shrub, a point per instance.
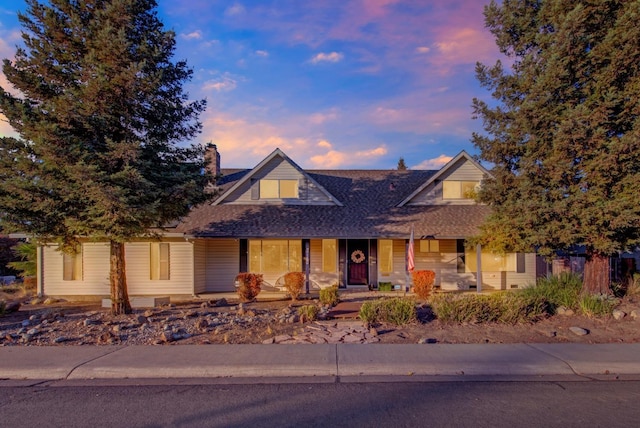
(423, 281)
(249, 285)
(293, 283)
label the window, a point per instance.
(329, 256)
(385, 257)
(275, 255)
(274, 189)
(429, 246)
(459, 189)
(490, 262)
(72, 265)
(159, 257)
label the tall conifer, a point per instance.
(100, 115)
(564, 132)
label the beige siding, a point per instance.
(222, 264)
(181, 277)
(279, 169)
(398, 276)
(509, 280)
(199, 266)
(463, 170)
(318, 278)
(444, 264)
(95, 272)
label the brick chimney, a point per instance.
(212, 157)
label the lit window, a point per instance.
(329, 256)
(429, 246)
(385, 256)
(459, 189)
(490, 262)
(274, 189)
(275, 255)
(72, 265)
(159, 260)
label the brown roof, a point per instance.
(370, 199)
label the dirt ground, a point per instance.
(210, 321)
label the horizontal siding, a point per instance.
(199, 266)
(318, 278)
(463, 170)
(95, 272)
(180, 270)
(279, 169)
(222, 264)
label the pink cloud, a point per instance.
(435, 163)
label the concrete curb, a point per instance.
(464, 362)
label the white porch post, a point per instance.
(39, 271)
(479, 264)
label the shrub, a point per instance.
(249, 285)
(558, 290)
(595, 305)
(396, 311)
(504, 307)
(384, 286)
(308, 312)
(423, 281)
(329, 295)
(293, 283)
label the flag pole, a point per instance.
(411, 262)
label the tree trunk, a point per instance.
(596, 274)
(118, 280)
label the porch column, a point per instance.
(39, 271)
(479, 264)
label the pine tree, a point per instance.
(100, 117)
(564, 133)
(401, 165)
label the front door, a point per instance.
(357, 262)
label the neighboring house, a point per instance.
(344, 227)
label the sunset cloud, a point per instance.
(327, 57)
(435, 163)
(339, 159)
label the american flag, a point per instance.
(411, 264)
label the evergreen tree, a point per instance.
(564, 133)
(401, 165)
(100, 117)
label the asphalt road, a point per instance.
(381, 404)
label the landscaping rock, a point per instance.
(579, 331)
(634, 314)
(618, 314)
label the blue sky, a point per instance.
(333, 83)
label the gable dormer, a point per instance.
(455, 184)
(277, 180)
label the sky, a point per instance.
(333, 83)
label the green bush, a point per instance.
(558, 290)
(385, 286)
(396, 311)
(249, 285)
(293, 283)
(595, 305)
(502, 307)
(308, 312)
(329, 295)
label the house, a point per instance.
(344, 227)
